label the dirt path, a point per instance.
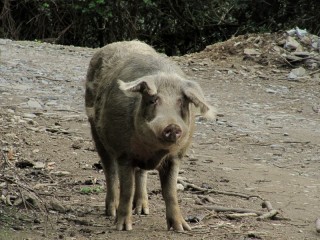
(265, 142)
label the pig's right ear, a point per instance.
(141, 85)
(194, 93)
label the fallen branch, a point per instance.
(29, 195)
(48, 78)
(245, 212)
(285, 60)
(41, 185)
(292, 142)
(267, 205)
(314, 72)
(270, 214)
(235, 210)
(205, 190)
(240, 215)
(204, 198)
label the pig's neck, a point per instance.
(145, 155)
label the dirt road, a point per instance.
(265, 145)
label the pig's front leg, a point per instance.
(168, 177)
(124, 213)
(140, 201)
(112, 198)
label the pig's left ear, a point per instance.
(144, 85)
(194, 93)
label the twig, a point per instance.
(304, 142)
(51, 79)
(267, 215)
(40, 185)
(235, 210)
(5, 159)
(241, 215)
(283, 58)
(28, 189)
(207, 199)
(278, 166)
(205, 190)
(42, 207)
(272, 213)
(316, 71)
(260, 144)
(267, 205)
(286, 166)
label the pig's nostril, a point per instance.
(171, 133)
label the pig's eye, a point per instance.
(183, 104)
(154, 100)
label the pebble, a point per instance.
(276, 146)
(32, 103)
(39, 165)
(52, 103)
(57, 206)
(296, 73)
(269, 90)
(29, 115)
(180, 187)
(251, 51)
(36, 150)
(292, 44)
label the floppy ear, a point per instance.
(144, 85)
(195, 95)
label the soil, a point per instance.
(264, 145)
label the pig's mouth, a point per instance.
(168, 144)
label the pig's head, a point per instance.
(164, 117)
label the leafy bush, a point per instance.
(172, 26)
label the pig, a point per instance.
(141, 108)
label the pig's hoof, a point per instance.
(124, 223)
(111, 211)
(141, 211)
(142, 208)
(178, 225)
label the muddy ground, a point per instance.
(265, 145)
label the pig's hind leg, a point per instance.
(140, 202)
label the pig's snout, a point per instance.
(171, 133)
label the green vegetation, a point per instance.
(91, 190)
(172, 26)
